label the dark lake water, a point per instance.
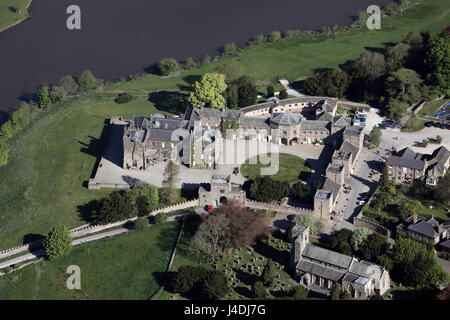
(123, 37)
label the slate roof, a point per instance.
(321, 194)
(306, 99)
(438, 159)
(332, 187)
(326, 116)
(335, 168)
(405, 162)
(327, 256)
(445, 244)
(227, 114)
(425, 228)
(320, 270)
(314, 125)
(347, 147)
(341, 122)
(286, 118)
(254, 122)
(353, 130)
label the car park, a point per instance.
(443, 126)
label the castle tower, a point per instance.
(300, 238)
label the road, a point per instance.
(290, 91)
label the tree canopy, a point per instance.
(58, 242)
(208, 92)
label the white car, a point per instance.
(361, 202)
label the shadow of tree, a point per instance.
(269, 252)
(173, 102)
(245, 277)
(30, 237)
(243, 291)
(85, 211)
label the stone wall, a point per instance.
(360, 222)
(279, 208)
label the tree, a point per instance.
(247, 92)
(187, 278)
(370, 64)
(69, 84)
(438, 62)
(4, 153)
(417, 263)
(306, 220)
(299, 293)
(268, 274)
(189, 64)
(215, 285)
(88, 82)
(232, 71)
(397, 56)
(258, 40)
(171, 179)
(396, 109)
(244, 226)
(119, 205)
(166, 66)
(140, 223)
(229, 49)
(442, 191)
(266, 189)
(212, 237)
(159, 218)
(270, 92)
(340, 241)
(316, 185)
(258, 290)
(58, 242)
(206, 60)
(283, 94)
(300, 192)
(44, 98)
(359, 236)
(374, 246)
(345, 295)
(331, 83)
(375, 136)
(404, 85)
(274, 36)
(208, 92)
(145, 196)
(124, 97)
(7, 131)
(57, 94)
(385, 261)
(336, 291)
(408, 208)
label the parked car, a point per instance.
(443, 126)
(208, 208)
(429, 124)
(361, 202)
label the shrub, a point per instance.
(4, 153)
(88, 81)
(270, 91)
(124, 98)
(258, 290)
(58, 242)
(268, 274)
(299, 293)
(283, 94)
(69, 84)
(166, 66)
(187, 278)
(44, 98)
(189, 64)
(215, 285)
(159, 218)
(274, 36)
(140, 223)
(229, 49)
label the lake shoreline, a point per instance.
(29, 16)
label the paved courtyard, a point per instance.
(111, 174)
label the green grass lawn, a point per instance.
(8, 16)
(42, 185)
(291, 169)
(124, 267)
(414, 125)
(430, 108)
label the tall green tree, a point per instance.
(247, 92)
(438, 62)
(170, 181)
(397, 56)
(404, 85)
(118, 206)
(330, 83)
(209, 91)
(358, 237)
(375, 136)
(69, 84)
(167, 66)
(87, 81)
(268, 274)
(146, 197)
(215, 285)
(4, 153)
(408, 208)
(58, 242)
(232, 70)
(44, 98)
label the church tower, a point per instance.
(300, 238)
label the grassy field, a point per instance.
(8, 16)
(52, 159)
(50, 162)
(430, 108)
(123, 267)
(413, 125)
(291, 169)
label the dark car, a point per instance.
(448, 127)
(443, 126)
(436, 124)
(429, 124)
